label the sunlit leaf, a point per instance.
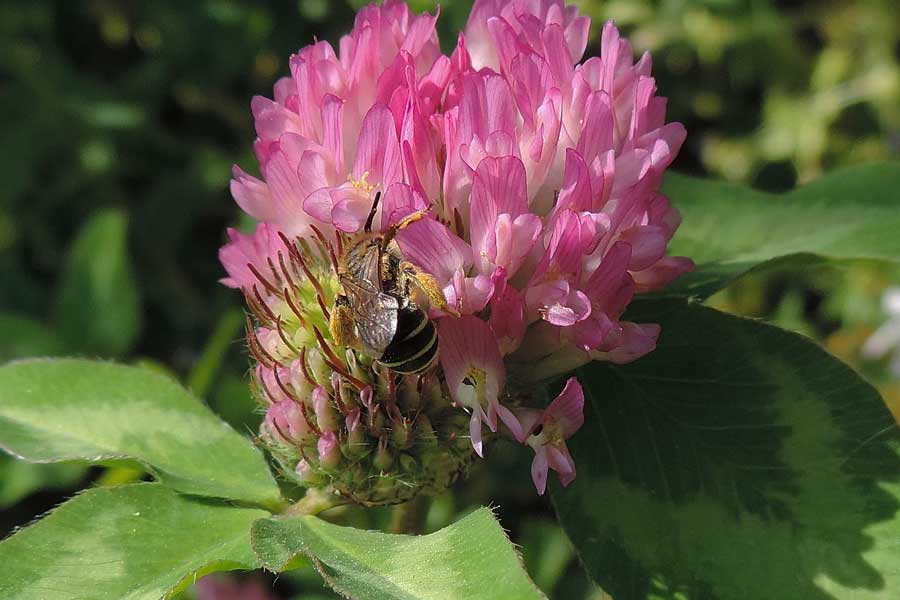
(469, 560)
(133, 542)
(729, 229)
(70, 409)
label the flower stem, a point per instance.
(409, 517)
(313, 502)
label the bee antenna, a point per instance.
(371, 217)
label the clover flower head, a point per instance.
(518, 184)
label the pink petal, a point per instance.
(635, 341)
(378, 152)
(539, 469)
(507, 318)
(475, 432)
(399, 201)
(469, 295)
(471, 360)
(251, 194)
(648, 245)
(568, 407)
(329, 449)
(561, 461)
(255, 249)
(662, 273)
(511, 422)
(433, 247)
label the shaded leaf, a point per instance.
(131, 542)
(70, 409)
(469, 560)
(19, 479)
(736, 461)
(98, 308)
(729, 229)
(22, 336)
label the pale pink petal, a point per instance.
(255, 249)
(662, 273)
(559, 459)
(539, 469)
(471, 360)
(634, 341)
(251, 194)
(512, 423)
(475, 432)
(468, 295)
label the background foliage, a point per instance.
(119, 122)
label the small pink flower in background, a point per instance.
(535, 175)
(547, 434)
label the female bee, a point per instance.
(383, 308)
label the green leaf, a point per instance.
(736, 461)
(19, 479)
(729, 230)
(22, 336)
(468, 560)
(132, 542)
(98, 309)
(69, 409)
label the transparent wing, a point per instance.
(364, 263)
(375, 313)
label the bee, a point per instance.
(383, 307)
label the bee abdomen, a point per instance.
(415, 343)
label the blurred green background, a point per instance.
(119, 122)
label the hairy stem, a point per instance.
(409, 517)
(315, 501)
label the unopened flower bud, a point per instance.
(326, 414)
(384, 458)
(329, 450)
(320, 370)
(306, 474)
(286, 423)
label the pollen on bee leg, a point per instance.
(341, 326)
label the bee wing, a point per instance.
(365, 264)
(375, 313)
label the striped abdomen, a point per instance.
(415, 343)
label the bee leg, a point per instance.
(391, 232)
(423, 288)
(341, 325)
